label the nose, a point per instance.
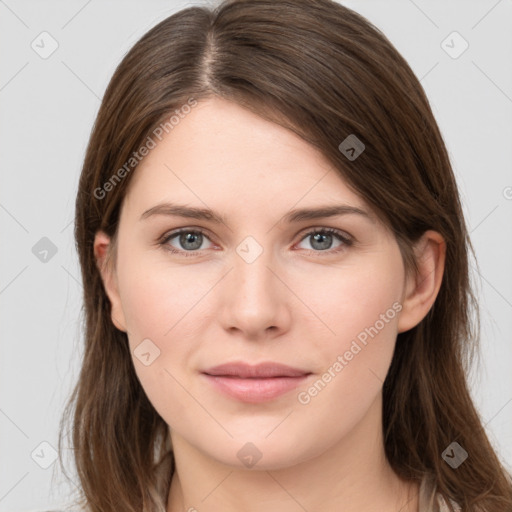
(254, 301)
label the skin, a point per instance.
(295, 304)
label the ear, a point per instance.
(102, 248)
(422, 288)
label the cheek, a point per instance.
(356, 363)
(158, 299)
(349, 300)
(372, 316)
(361, 310)
(164, 312)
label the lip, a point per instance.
(255, 384)
(259, 371)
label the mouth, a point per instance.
(255, 384)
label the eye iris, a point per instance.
(189, 237)
(323, 244)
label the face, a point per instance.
(320, 294)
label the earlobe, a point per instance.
(422, 288)
(102, 248)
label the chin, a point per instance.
(265, 454)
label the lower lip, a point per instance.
(255, 390)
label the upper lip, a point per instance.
(262, 370)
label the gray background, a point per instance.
(47, 110)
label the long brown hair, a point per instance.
(324, 72)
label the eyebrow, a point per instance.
(296, 215)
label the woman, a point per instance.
(308, 349)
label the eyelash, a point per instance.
(347, 242)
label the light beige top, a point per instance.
(430, 500)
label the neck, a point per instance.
(350, 476)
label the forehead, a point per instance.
(223, 156)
